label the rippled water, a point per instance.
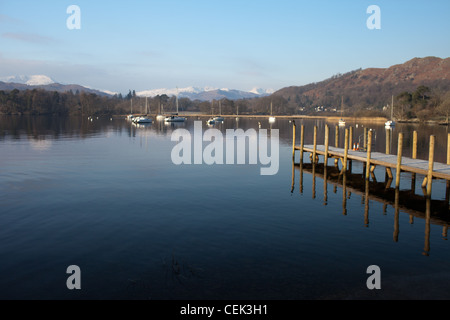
(105, 195)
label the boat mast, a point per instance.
(392, 108)
(177, 100)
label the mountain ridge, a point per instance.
(372, 87)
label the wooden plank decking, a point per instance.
(419, 166)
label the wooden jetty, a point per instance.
(430, 169)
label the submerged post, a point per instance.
(369, 154)
(399, 160)
(430, 166)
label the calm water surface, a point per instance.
(105, 195)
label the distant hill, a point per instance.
(373, 87)
(45, 83)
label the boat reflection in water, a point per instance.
(434, 212)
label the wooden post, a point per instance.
(350, 145)
(369, 154)
(430, 166)
(327, 141)
(315, 144)
(350, 138)
(388, 141)
(414, 156)
(345, 150)
(365, 138)
(399, 160)
(448, 149)
(336, 143)
(414, 149)
(336, 137)
(293, 142)
(388, 151)
(447, 190)
(302, 141)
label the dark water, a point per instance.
(106, 196)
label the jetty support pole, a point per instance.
(414, 156)
(327, 142)
(336, 143)
(302, 141)
(365, 138)
(369, 155)
(430, 166)
(399, 160)
(447, 190)
(293, 142)
(345, 151)
(388, 151)
(315, 145)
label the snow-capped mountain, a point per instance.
(207, 93)
(44, 82)
(182, 92)
(262, 92)
(33, 80)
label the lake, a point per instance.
(106, 196)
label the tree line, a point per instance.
(423, 104)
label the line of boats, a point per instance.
(145, 119)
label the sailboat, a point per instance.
(131, 116)
(342, 121)
(175, 117)
(211, 121)
(160, 116)
(219, 118)
(271, 118)
(146, 119)
(390, 123)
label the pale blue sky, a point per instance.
(237, 44)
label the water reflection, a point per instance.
(433, 212)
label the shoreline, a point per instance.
(247, 116)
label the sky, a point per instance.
(236, 44)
